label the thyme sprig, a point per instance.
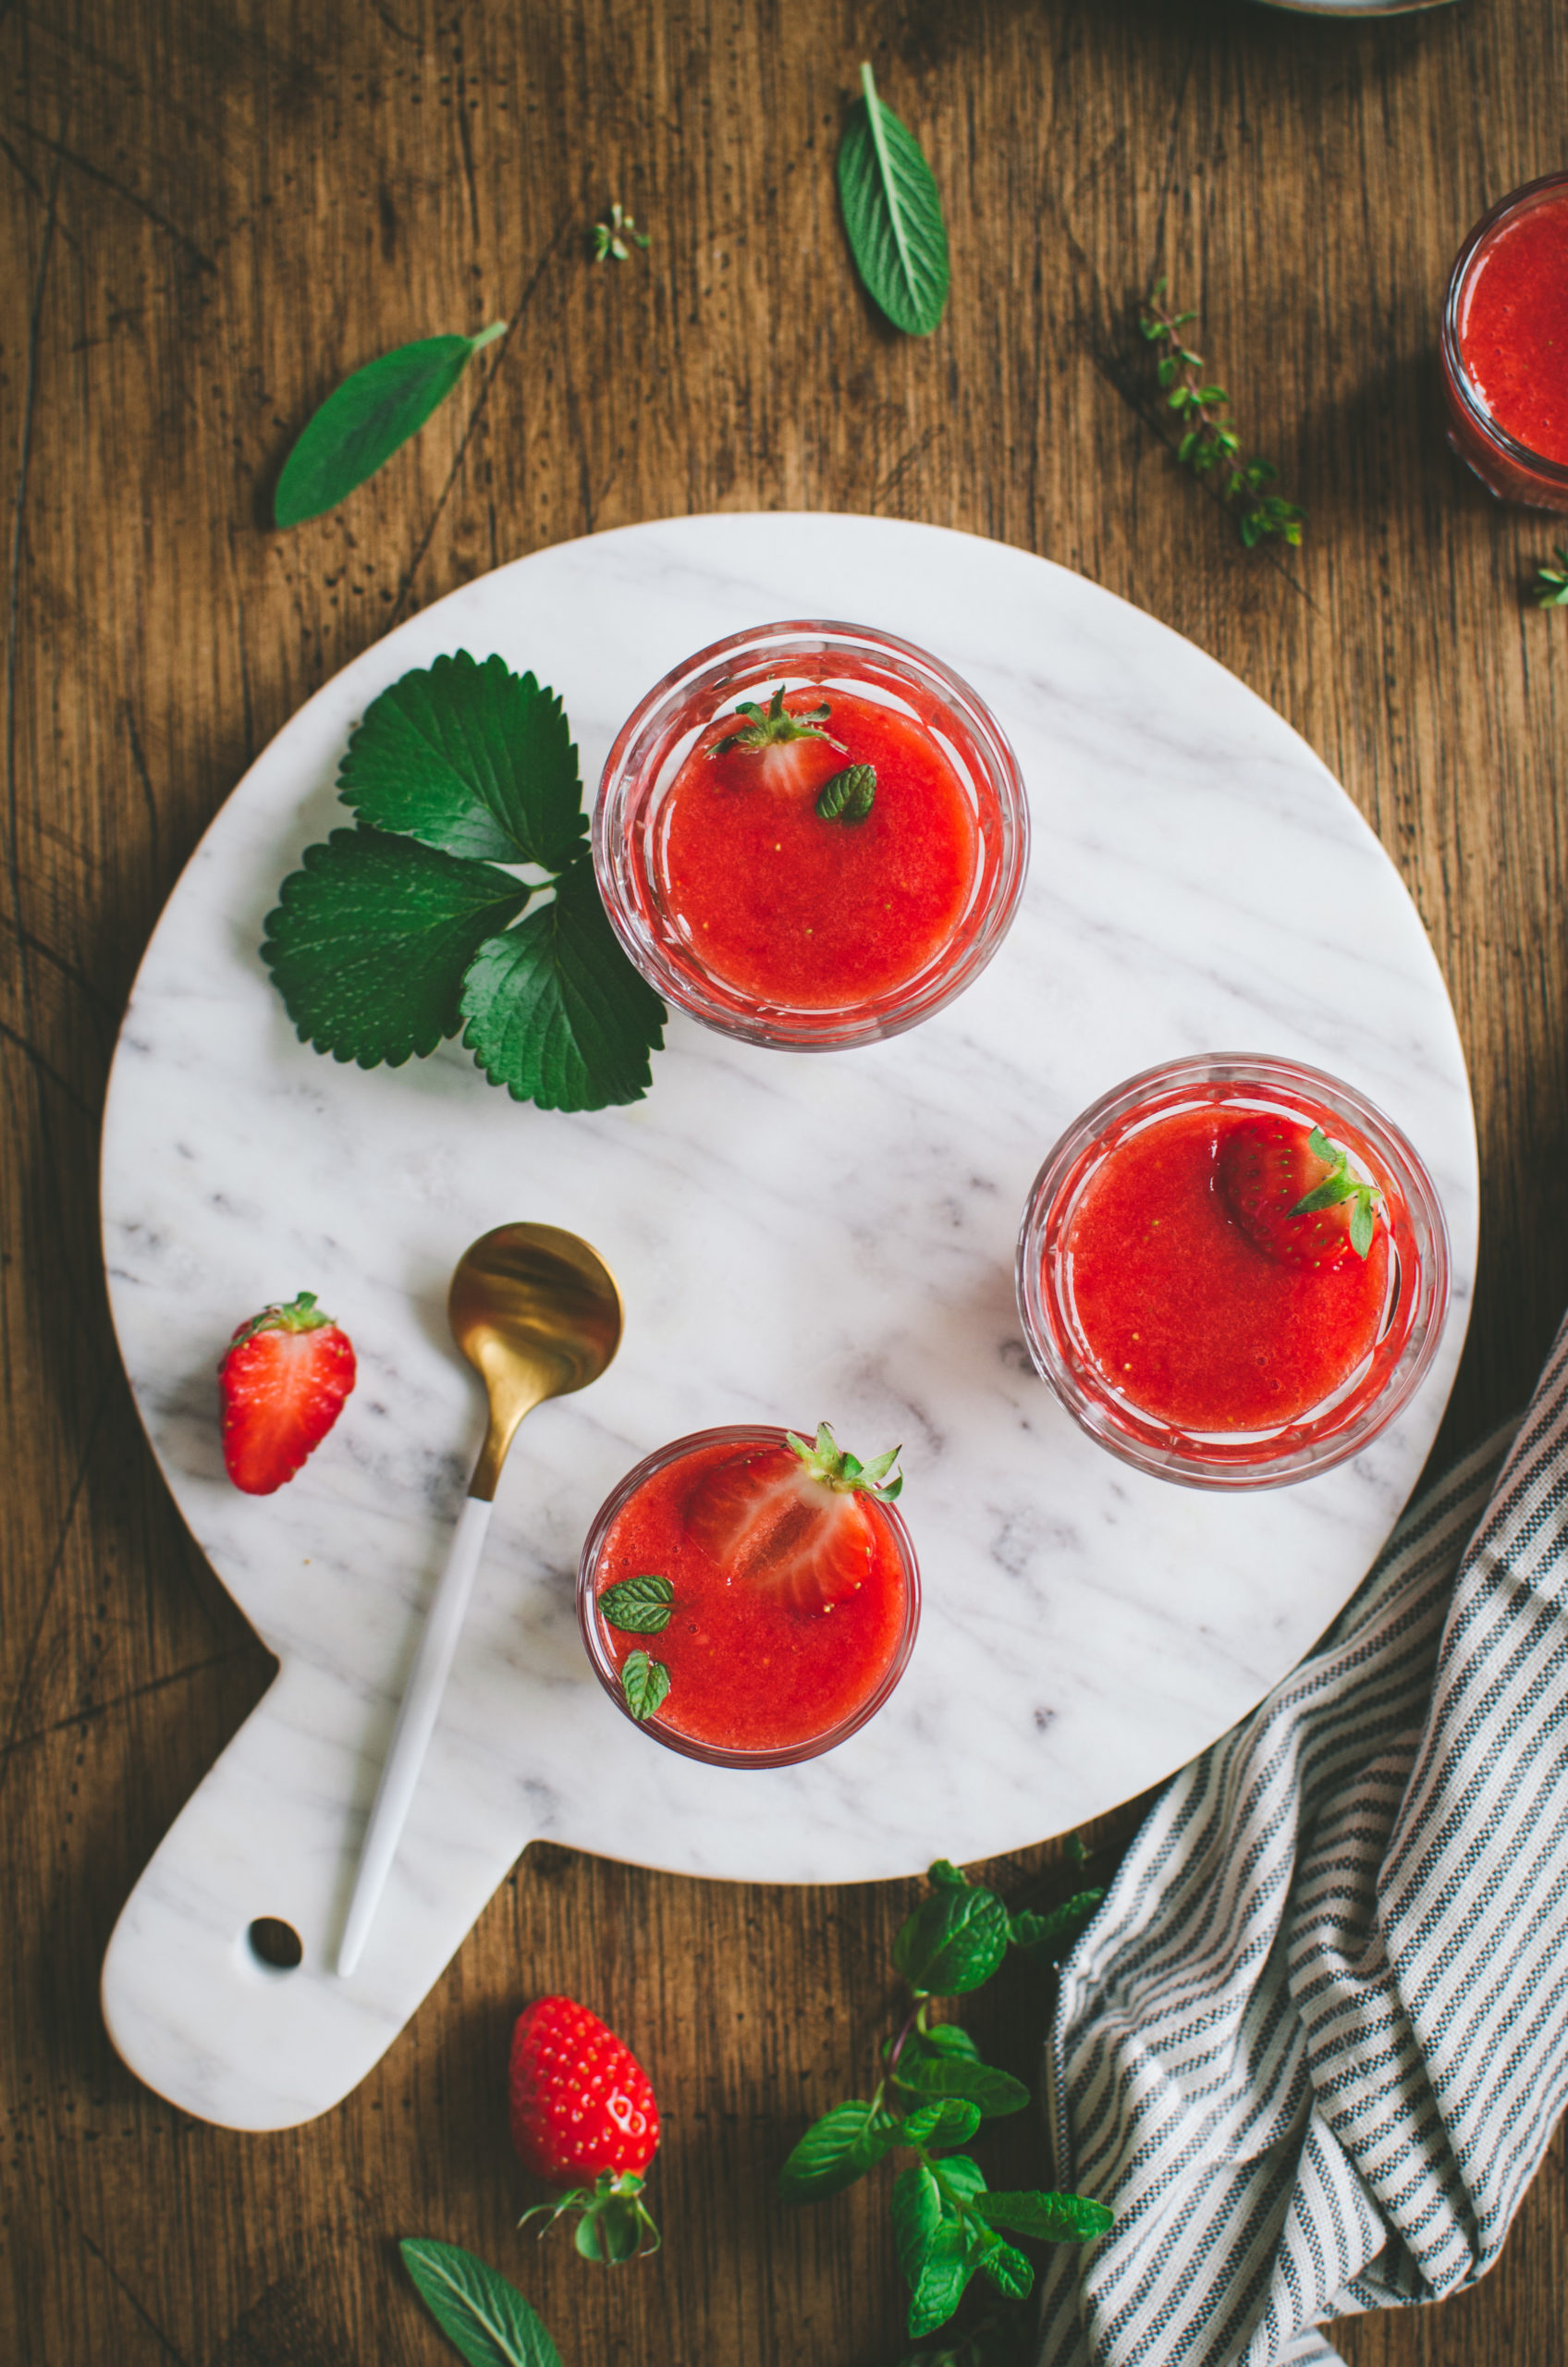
(1551, 583)
(1209, 445)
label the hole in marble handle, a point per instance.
(274, 1943)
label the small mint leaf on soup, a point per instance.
(638, 1606)
(370, 941)
(470, 758)
(363, 421)
(645, 1684)
(556, 1012)
(850, 795)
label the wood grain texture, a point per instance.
(212, 210)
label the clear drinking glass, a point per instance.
(1412, 1318)
(1504, 465)
(630, 822)
(880, 1677)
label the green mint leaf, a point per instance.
(638, 1606)
(1008, 2271)
(1049, 2218)
(556, 1012)
(892, 214)
(994, 2092)
(1058, 1928)
(363, 421)
(470, 758)
(958, 2176)
(369, 943)
(486, 2318)
(916, 2205)
(835, 2151)
(645, 1684)
(954, 1941)
(944, 1875)
(945, 2120)
(945, 2272)
(848, 796)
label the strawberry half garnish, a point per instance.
(793, 1519)
(1294, 1195)
(582, 2107)
(283, 1382)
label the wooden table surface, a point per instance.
(214, 211)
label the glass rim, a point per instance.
(688, 1746)
(793, 1027)
(1507, 445)
(1305, 1452)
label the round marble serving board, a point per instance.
(796, 1236)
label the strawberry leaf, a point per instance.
(1362, 1225)
(1049, 2218)
(363, 421)
(486, 2317)
(892, 214)
(645, 1684)
(470, 758)
(556, 1012)
(370, 942)
(638, 1606)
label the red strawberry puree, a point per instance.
(1184, 1317)
(820, 915)
(1514, 328)
(748, 1672)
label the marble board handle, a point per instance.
(260, 1862)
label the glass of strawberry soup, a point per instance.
(751, 1598)
(1233, 1272)
(811, 836)
(1504, 347)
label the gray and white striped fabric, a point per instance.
(1313, 2047)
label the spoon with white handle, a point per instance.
(537, 1314)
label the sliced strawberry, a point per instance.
(283, 1383)
(1292, 1192)
(793, 1518)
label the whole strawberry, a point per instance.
(283, 1382)
(582, 2109)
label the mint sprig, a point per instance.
(394, 936)
(848, 796)
(932, 2097)
(645, 1684)
(638, 1606)
(1336, 1186)
(1551, 583)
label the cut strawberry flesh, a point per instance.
(1264, 1166)
(283, 1391)
(768, 1524)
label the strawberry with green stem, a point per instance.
(1295, 1194)
(283, 1381)
(776, 726)
(793, 1519)
(582, 2109)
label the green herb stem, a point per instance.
(1209, 445)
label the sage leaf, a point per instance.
(835, 2151)
(477, 2309)
(892, 214)
(556, 1012)
(1049, 2218)
(645, 1684)
(363, 421)
(370, 942)
(638, 1606)
(470, 758)
(954, 1941)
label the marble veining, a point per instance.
(795, 1236)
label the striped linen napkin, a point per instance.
(1313, 2047)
